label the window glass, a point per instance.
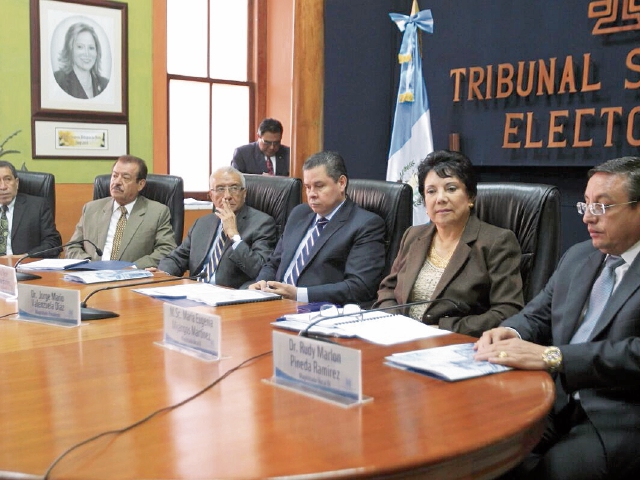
(228, 31)
(230, 122)
(189, 133)
(187, 37)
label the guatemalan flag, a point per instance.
(411, 138)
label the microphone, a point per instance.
(22, 276)
(459, 306)
(87, 313)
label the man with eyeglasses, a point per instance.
(266, 155)
(227, 247)
(584, 328)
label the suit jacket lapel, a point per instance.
(336, 223)
(18, 212)
(296, 238)
(102, 223)
(460, 255)
(627, 287)
(580, 286)
(416, 256)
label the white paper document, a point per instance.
(208, 294)
(383, 329)
(452, 362)
(51, 264)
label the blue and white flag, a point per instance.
(411, 138)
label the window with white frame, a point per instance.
(210, 97)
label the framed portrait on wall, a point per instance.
(79, 59)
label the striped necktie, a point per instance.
(4, 230)
(301, 261)
(600, 293)
(117, 237)
(216, 255)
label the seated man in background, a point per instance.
(267, 155)
(26, 222)
(331, 249)
(227, 247)
(126, 226)
(584, 328)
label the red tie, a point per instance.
(269, 165)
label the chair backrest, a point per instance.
(39, 184)
(532, 212)
(275, 196)
(393, 201)
(165, 189)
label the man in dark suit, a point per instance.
(584, 327)
(248, 237)
(266, 155)
(26, 221)
(331, 249)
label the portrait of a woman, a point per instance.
(79, 61)
(456, 256)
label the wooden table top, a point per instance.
(59, 386)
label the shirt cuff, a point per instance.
(302, 295)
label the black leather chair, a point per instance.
(532, 212)
(39, 184)
(275, 196)
(166, 189)
(393, 201)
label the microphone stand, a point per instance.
(23, 276)
(87, 313)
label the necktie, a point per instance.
(117, 237)
(4, 230)
(305, 252)
(600, 293)
(269, 165)
(216, 255)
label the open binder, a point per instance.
(375, 327)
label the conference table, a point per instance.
(60, 386)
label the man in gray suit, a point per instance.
(126, 226)
(584, 328)
(266, 155)
(227, 247)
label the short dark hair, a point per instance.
(9, 165)
(449, 164)
(142, 167)
(628, 167)
(270, 125)
(332, 161)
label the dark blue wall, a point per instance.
(361, 46)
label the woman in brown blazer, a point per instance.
(455, 256)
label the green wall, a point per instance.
(15, 92)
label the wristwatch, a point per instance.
(236, 238)
(552, 357)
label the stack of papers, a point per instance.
(453, 362)
(383, 329)
(208, 294)
(100, 276)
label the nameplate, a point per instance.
(8, 282)
(192, 333)
(53, 306)
(317, 368)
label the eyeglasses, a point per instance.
(232, 189)
(597, 208)
(275, 143)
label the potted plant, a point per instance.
(2, 150)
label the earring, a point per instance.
(471, 205)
